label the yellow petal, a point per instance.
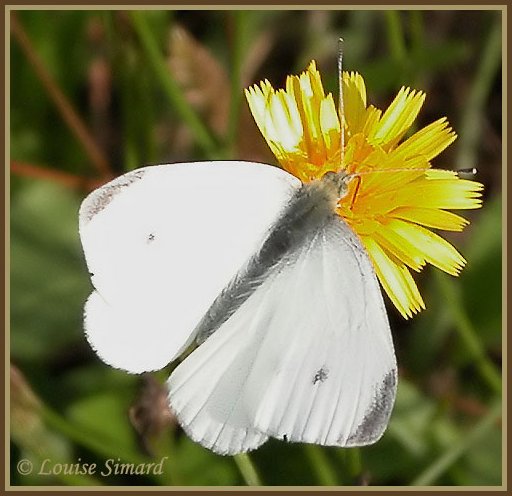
(399, 116)
(258, 99)
(284, 124)
(431, 217)
(330, 125)
(354, 102)
(434, 249)
(395, 279)
(400, 247)
(371, 120)
(309, 111)
(429, 141)
(315, 80)
(451, 193)
(415, 300)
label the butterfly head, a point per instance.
(337, 182)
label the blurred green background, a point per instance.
(96, 93)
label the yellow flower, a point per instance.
(391, 212)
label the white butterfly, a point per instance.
(260, 271)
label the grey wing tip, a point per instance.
(375, 421)
(98, 200)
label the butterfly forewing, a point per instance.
(161, 243)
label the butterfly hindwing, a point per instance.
(307, 357)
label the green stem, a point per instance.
(247, 469)
(468, 334)
(239, 22)
(396, 36)
(355, 464)
(172, 90)
(417, 31)
(472, 116)
(320, 463)
(432, 473)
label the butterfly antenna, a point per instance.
(469, 172)
(341, 107)
(461, 173)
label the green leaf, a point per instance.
(106, 415)
(412, 419)
(49, 281)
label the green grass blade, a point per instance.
(172, 90)
(247, 469)
(395, 32)
(468, 333)
(473, 114)
(321, 465)
(443, 463)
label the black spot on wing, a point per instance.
(99, 199)
(151, 237)
(376, 418)
(321, 375)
